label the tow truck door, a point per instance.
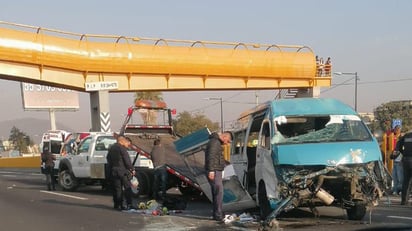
(81, 160)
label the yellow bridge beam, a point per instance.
(69, 60)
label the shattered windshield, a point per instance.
(315, 129)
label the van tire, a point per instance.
(264, 205)
(356, 212)
(68, 181)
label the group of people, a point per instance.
(122, 171)
(323, 68)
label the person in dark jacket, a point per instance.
(48, 161)
(158, 156)
(404, 146)
(121, 170)
(214, 165)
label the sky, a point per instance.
(369, 37)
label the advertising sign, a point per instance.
(40, 97)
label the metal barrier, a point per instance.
(20, 162)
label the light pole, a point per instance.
(221, 110)
(356, 85)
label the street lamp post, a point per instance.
(221, 110)
(356, 85)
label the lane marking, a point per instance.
(64, 195)
(400, 217)
(9, 176)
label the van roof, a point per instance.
(310, 106)
(303, 106)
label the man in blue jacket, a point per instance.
(214, 165)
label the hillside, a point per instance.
(31, 126)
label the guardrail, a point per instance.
(20, 162)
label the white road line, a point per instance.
(10, 176)
(399, 217)
(64, 195)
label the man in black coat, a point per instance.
(214, 165)
(404, 146)
(121, 170)
(48, 161)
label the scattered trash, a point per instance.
(229, 218)
(242, 218)
(135, 184)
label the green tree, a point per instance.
(186, 123)
(385, 113)
(149, 117)
(19, 139)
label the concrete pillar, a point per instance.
(100, 111)
(52, 116)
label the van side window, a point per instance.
(239, 142)
(265, 136)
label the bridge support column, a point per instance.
(100, 111)
(313, 92)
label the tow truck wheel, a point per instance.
(357, 212)
(67, 180)
(264, 206)
(144, 187)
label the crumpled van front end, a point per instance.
(321, 154)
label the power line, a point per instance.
(347, 82)
(363, 83)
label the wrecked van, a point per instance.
(308, 152)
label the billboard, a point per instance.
(40, 97)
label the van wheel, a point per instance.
(264, 206)
(357, 212)
(67, 180)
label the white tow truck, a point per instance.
(87, 165)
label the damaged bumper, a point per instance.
(346, 186)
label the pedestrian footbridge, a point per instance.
(70, 60)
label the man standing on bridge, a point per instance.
(121, 170)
